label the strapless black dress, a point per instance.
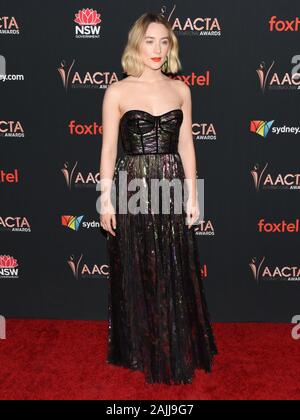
(158, 317)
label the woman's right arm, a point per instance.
(110, 123)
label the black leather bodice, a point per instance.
(144, 133)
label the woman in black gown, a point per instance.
(158, 317)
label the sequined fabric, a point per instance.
(158, 317)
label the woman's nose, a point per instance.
(157, 49)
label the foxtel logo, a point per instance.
(9, 177)
(85, 129)
(284, 25)
(281, 227)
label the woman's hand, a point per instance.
(192, 210)
(108, 218)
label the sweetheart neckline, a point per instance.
(146, 112)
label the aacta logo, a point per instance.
(284, 25)
(87, 80)
(204, 131)
(276, 81)
(205, 228)
(87, 24)
(274, 182)
(72, 222)
(8, 26)
(281, 227)
(263, 73)
(11, 129)
(200, 26)
(9, 177)
(8, 267)
(65, 70)
(83, 270)
(263, 272)
(78, 129)
(79, 179)
(14, 224)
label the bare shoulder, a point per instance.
(113, 95)
(117, 89)
(182, 88)
(114, 89)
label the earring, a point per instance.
(166, 64)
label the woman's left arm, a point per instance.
(186, 149)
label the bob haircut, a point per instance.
(130, 60)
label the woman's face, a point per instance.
(155, 45)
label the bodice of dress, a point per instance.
(144, 133)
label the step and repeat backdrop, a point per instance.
(241, 61)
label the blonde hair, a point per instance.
(131, 61)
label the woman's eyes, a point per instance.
(150, 42)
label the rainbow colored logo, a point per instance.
(72, 222)
(261, 128)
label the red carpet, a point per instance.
(42, 359)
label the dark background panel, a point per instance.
(46, 286)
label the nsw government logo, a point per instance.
(8, 267)
(87, 24)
